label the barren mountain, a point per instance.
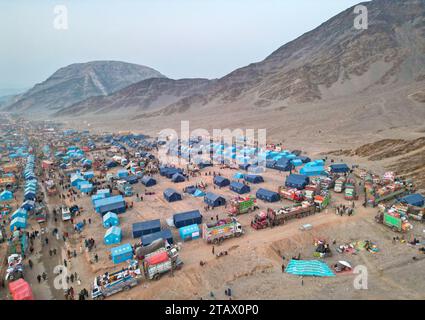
(80, 81)
(333, 61)
(144, 95)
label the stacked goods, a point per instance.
(291, 194)
(388, 177)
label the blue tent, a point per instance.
(187, 218)
(110, 219)
(163, 234)
(18, 223)
(148, 181)
(172, 195)
(20, 213)
(88, 175)
(214, 200)
(28, 205)
(112, 235)
(339, 168)
(244, 166)
(253, 178)
(267, 195)
(146, 227)
(297, 181)
(284, 165)
(122, 173)
(178, 177)
(239, 187)
(238, 175)
(122, 253)
(415, 199)
(189, 232)
(115, 204)
(221, 181)
(6, 196)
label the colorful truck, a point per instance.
(339, 184)
(291, 194)
(223, 229)
(395, 221)
(322, 200)
(350, 189)
(161, 261)
(388, 192)
(241, 205)
(111, 283)
(273, 218)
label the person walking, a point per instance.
(30, 263)
(39, 278)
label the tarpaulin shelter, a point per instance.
(313, 268)
(20, 290)
(221, 181)
(122, 253)
(115, 204)
(239, 187)
(171, 195)
(297, 181)
(198, 193)
(146, 227)
(148, 181)
(110, 219)
(163, 234)
(254, 178)
(178, 177)
(214, 200)
(339, 168)
(267, 195)
(112, 235)
(187, 218)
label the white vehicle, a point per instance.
(66, 214)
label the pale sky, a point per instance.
(179, 38)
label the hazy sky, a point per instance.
(179, 38)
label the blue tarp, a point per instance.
(313, 268)
(415, 199)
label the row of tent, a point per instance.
(20, 216)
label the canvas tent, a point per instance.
(112, 235)
(178, 177)
(148, 181)
(214, 200)
(122, 253)
(172, 195)
(239, 187)
(110, 219)
(267, 195)
(187, 218)
(146, 227)
(163, 234)
(297, 181)
(254, 178)
(221, 181)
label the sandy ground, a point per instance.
(252, 269)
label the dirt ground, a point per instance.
(252, 269)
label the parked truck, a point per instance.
(291, 194)
(339, 185)
(223, 229)
(111, 283)
(273, 218)
(240, 205)
(389, 192)
(66, 214)
(395, 222)
(351, 189)
(161, 261)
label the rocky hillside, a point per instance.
(80, 81)
(332, 61)
(145, 95)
